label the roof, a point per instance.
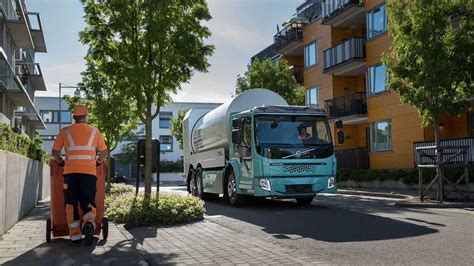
(288, 109)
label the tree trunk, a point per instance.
(109, 171)
(148, 150)
(439, 154)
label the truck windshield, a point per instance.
(289, 137)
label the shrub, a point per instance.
(171, 209)
(21, 145)
(118, 189)
(408, 176)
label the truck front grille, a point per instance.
(300, 169)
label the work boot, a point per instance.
(88, 230)
(76, 243)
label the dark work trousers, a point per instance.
(81, 188)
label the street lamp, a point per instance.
(77, 92)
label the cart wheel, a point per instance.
(105, 228)
(48, 230)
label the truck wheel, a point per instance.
(304, 201)
(230, 191)
(189, 181)
(48, 230)
(192, 184)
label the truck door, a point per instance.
(245, 152)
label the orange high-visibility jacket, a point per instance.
(81, 142)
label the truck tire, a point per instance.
(230, 191)
(200, 187)
(304, 201)
(189, 181)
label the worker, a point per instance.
(81, 142)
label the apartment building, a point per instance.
(338, 46)
(21, 37)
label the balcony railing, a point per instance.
(9, 7)
(355, 158)
(429, 156)
(330, 7)
(344, 52)
(347, 105)
(291, 33)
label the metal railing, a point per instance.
(9, 8)
(350, 104)
(331, 6)
(341, 53)
(354, 158)
(429, 155)
(292, 32)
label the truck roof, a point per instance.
(288, 109)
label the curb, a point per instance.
(373, 194)
(433, 205)
(143, 252)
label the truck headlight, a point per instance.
(331, 182)
(265, 184)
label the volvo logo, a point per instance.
(298, 154)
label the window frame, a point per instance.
(370, 21)
(55, 116)
(170, 143)
(306, 54)
(165, 116)
(308, 97)
(373, 137)
(370, 80)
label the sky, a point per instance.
(240, 29)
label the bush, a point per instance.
(171, 167)
(119, 189)
(171, 209)
(21, 145)
(408, 176)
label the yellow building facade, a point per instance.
(338, 45)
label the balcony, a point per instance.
(19, 28)
(33, 72)
(345, 59)
(289, 41)
(343, 13)
(352, 107)
(8, 8)
(37, 32)
(298, 73)
(269, 52)
(354, 158)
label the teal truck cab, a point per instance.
(245, 149)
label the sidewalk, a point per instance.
(198, 243)
(25, 244)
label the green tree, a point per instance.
(151, 47)
(106, 109)
(177, 127)
(274, 76)
(431, 62)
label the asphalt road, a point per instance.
(341, 229)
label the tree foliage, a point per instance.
(150, 47)
(430, 64)
(177, 127)
(274, 76)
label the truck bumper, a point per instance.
(294, 187)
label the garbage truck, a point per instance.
(256, 145)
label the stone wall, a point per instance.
(23, 182)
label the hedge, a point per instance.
(408, 176)
(22, 145)
(172, 208)
(171, 166)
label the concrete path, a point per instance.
(25, 244)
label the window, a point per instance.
(312, 96)
(376, 79)
(52, 117)
(165, 119)
(376, 22)
(310, 55)
(166, 143)
(381, 136)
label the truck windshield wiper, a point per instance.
(299, 153)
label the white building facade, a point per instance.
(21, 37)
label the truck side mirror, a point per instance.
(340, 136)
(339, 124)
(237, 123)
(236, 136)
